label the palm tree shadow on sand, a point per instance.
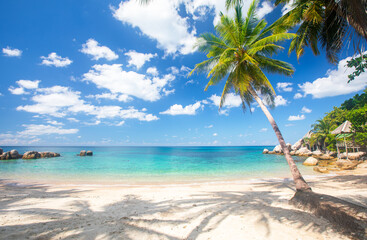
(188, 218)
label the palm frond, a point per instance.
(275, 66)
(273, 39)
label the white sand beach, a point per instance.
(226, 210)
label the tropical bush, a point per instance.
(353, 110)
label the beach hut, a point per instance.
(342, 132)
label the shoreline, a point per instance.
(193, 182)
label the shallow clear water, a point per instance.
(149, 164)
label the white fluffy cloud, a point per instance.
(178, 109)
(201, 8)
(23, 84)
(17, 91)
(61, 101)
(232, 100)
(55, 60)
(306, 110)
(54, 122)
(296, 118)
(12, 52)
(139, 59)
(160, 21)
(287, 7)
(335, 83)
(153, 71)
(263, 130)
(280, 101)
(115, 79)
(298, 96)
(111, 96)
(28, 84)
(73, 119)
(265, 9)
(9, 139)
(92, 47)
(37, 130)
(285, 87)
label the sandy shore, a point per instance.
(226, 210)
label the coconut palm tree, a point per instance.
(329, 22)
(239, 53)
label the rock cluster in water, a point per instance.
(14, 154)
(85, 153)
(322, 162)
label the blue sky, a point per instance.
(115, 73)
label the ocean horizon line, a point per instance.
(8, 146)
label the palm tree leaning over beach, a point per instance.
(240, 52)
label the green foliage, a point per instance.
(358, 101)
(336, 117)
(353, 110)
(361, 138)
(359, 63)
(330, 142)
(321, 132)
(328, 22)
(358, 118)
(240, 52)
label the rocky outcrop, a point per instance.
(332, 154)
(356, 155)
(49, 154)
(342, 163)
(84, 153)
(325, 157)
(297, 145)
(1, 151)
(265, 151)
(317, 153)
(13, 154)
(303, 152)
(5, 156)
(311, 161)
(277, 149)
(289, 146)
(35, 155)
(321, 169)
(31, 155)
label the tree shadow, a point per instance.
(173, 219)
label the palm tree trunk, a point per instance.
(301, 184)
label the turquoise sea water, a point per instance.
(132, 165)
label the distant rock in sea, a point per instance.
(85, 153)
